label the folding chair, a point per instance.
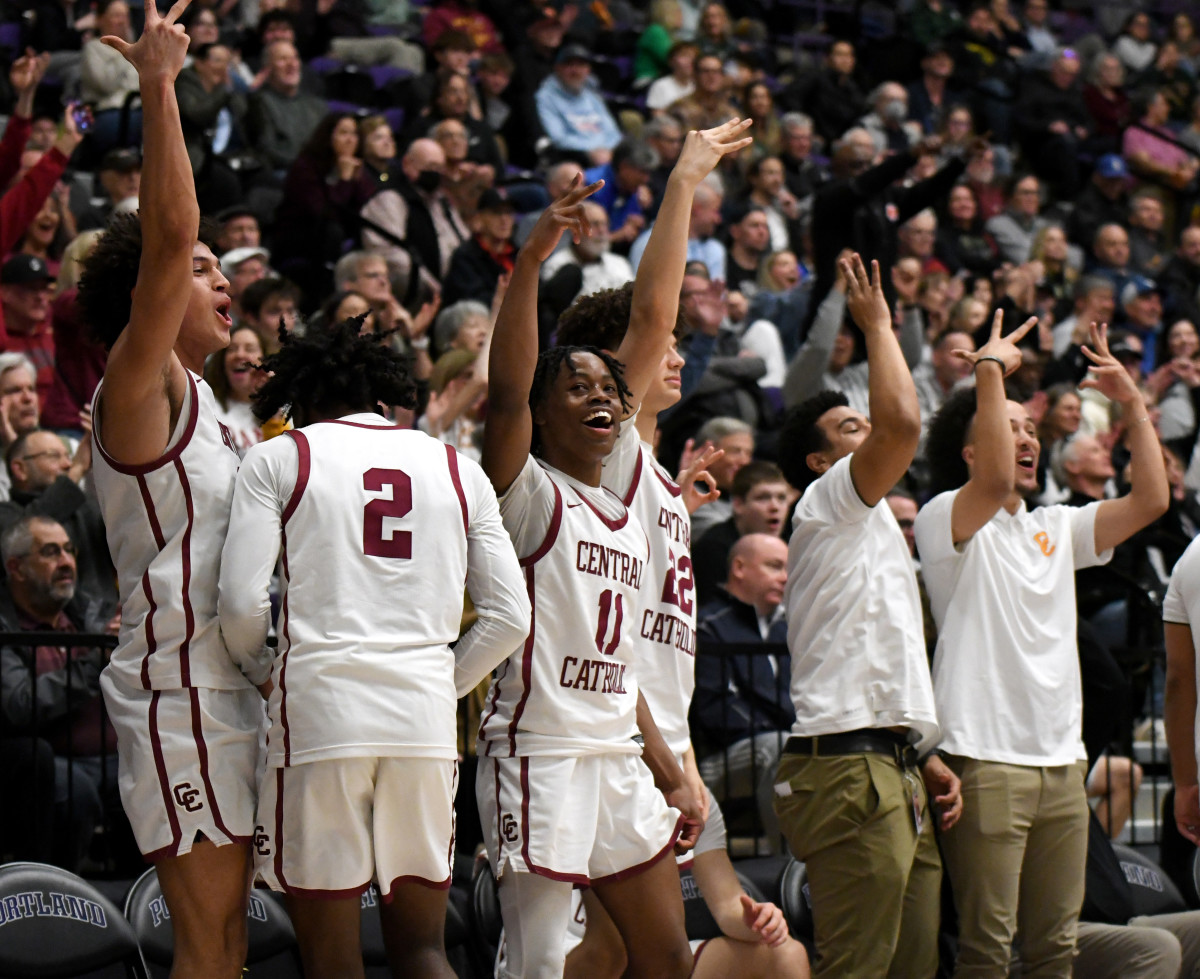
(57, 924)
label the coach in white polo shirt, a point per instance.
(850, 797)
(1001, 582)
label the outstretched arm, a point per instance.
(887, 452)
(513, 356)
(994, 467)
(141, 369)
(660, 272)
(1148, 496)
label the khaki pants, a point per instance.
(1016, 863)
(873, 880)
(1160, 946)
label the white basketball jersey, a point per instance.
(166, 524)
(664, 637)
(374, 569)
(570, 689)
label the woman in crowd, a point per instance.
(325, 189)
(108, 80)
(377, 145)
(234, 377)
(758, 104)
(962, 244)
(50, 230)
(1056, 289)
(1175, 384)
(1135, 45)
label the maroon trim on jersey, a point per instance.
(151, 644)
(279, 828)
(487, 750)
(160, 543)
(645, 864)
(529, 864)
(172, 453)
(526, 666)
(303, 465)
(287, 638)
(607, 521)
(189, 615)
(434, 885)
(686, 864)
(696, 955)
(452, 462)
(551, 531)
(342, 421)
(499, 822)
(202, 753)
(670, 485)
(160, 766)
(633, 482)
(320, 895)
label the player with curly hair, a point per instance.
(188, 722)
(379, 529)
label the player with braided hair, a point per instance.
(379, 529)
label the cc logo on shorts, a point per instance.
(185, 796)
(262, 842)
(508, 827)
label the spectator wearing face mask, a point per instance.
(888, 121)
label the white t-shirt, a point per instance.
(1182, 606)
(855, 630)
(380, 530)
(1006, 669)
(571, 688)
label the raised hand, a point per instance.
(765, 920)
(565, 214)
(27, 71)
(703, 149)
(162, 48)
(1106, 374)
(1005, 349)
(864, 297)
(696, 472)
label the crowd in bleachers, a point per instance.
(387, 159)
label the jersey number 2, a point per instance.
(399, 545)
(677, 586)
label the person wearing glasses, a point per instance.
(46, 482)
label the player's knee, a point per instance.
(789, 961)
(672, 960)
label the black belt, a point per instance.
(875, 740)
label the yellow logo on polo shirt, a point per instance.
(1043, 541)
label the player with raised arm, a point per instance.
(635, 324)
(380, 528)
(188, 722)
(562, 797)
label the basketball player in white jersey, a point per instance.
(380, 528)
(664, 639)
(188, 722)
(562, 798)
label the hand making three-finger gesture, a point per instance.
(163, 46)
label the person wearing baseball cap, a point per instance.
(1104, 200)
(477, 264)
(1142, 306)
(243, 266)
(573, 114)
(120, 178)
(26, 290)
